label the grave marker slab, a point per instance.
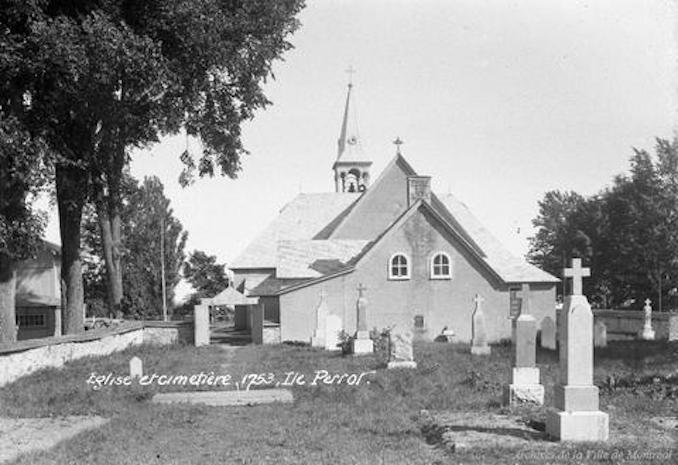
(136, 367)
(201, 325)
(599, 334)
(548, 333)
(401, 354)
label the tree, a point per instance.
(628, 233)
(206, 276)
(22, 173)
(146, 219)
(107, 76)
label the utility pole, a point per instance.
(162, 268)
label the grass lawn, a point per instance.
(376, 422)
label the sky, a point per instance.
(499, 101)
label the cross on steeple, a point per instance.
(398, 142)
(350, 71)
(576, 272)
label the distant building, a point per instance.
(422, 256)
(38, 294)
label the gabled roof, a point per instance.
(229, 296)
(302, 218)
(315, 258)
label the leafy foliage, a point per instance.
(206, 276)
(146, 212)
(628, 233)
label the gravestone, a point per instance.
(479, 344)
(401, 354)
(548, 333)
(333, 327)
(321, 312)
(647, 333)
(576, 415)
(361, 344)
(201, 325)
(446, 335)
(136, 369)
(524, 386)
(599, 334)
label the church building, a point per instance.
(423, 257)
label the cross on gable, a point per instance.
(398, 142)
(576, 272)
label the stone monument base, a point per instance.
(481, 350)
(578, 426)
(362, 346)
(401, 364)
(516, 394)
(646, 334)
(524, 387)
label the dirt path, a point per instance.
(21, 435)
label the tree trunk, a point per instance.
(109, 226)
(71, 187)
(8, 328)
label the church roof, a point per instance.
(229, 296)
(315, 258)
(306, 216)
(510, 268)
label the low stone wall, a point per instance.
(25, 357)
(626, 324)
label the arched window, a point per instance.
(441, 266)
(399, 267)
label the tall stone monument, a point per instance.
(647, 333)
(524, 386)
(400, 350)
(576, 415)
(321, 312)
(362, 344)
(479, 344)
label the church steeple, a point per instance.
(351, 168)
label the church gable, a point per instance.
(379, 206)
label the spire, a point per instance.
(351, 168)
(349, 147)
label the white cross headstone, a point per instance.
(321, 312)
(479, 344)
(647, 333)
(576, 415)
(362, 344)
(524, 386)
(136, 369)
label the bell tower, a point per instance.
(351, 168)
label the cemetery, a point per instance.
(414, 402)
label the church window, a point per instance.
(419, 321)
(441, 266)
(399, 267)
